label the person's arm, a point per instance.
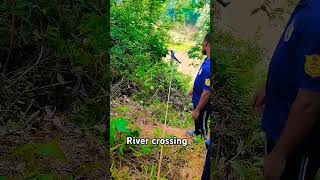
(302, 119)
(305, 110)
(303, 116)
(258, 99)
(205, 96)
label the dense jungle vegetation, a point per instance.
(238, 141)
(140, 42)
(54, 88)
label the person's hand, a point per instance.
(190, 93)
(195, 114)
(258, 100)
(274, 165)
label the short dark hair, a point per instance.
(208, 37)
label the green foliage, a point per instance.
(30, 153)
(119, 131)
(199, 140)
(245, 170)
(73, 35)
(236, 77)
(236, 61)
(63, 24)
(174, 119)
(91, 113)
(52, 177)
(138, 35)
(53, 53)
(49, 150)
(88, 169)
(119, 125)
(186, 11)
(156, 78)
(157, 133)
(203, 24)
(122, 110)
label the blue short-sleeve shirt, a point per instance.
(295, 65)
(201, 82)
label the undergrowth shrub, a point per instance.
(139, 37)
(238, 141)
(145, 157)
(53, 53)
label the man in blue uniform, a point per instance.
(201, 93)
(291, 98)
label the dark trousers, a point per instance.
(304, 164)
(206, 168)
(201, 125)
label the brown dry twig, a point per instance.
(30, 68)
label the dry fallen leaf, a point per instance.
(49, 112)
(57, 122)
(60, 78)
(34, 116)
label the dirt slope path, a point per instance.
(187, 66)
(192, 170)
(183, 39)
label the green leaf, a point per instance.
(135, 133)
(137, 154)
(146, 150)
(121, 125)
(121, 149)
(112, 133)
(49, 150)
(45, 177)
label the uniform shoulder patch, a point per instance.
(207, 82)
(312, 65)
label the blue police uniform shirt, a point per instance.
(295, 65)
(201, 82)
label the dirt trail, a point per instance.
(184, 38)
(192, 170)
(187, 66)
(150, 127)
(142, 118)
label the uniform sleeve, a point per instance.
(308, 58)
(206, 78)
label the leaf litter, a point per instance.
(51, 147)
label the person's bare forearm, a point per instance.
(205, 96)
(302, 118)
